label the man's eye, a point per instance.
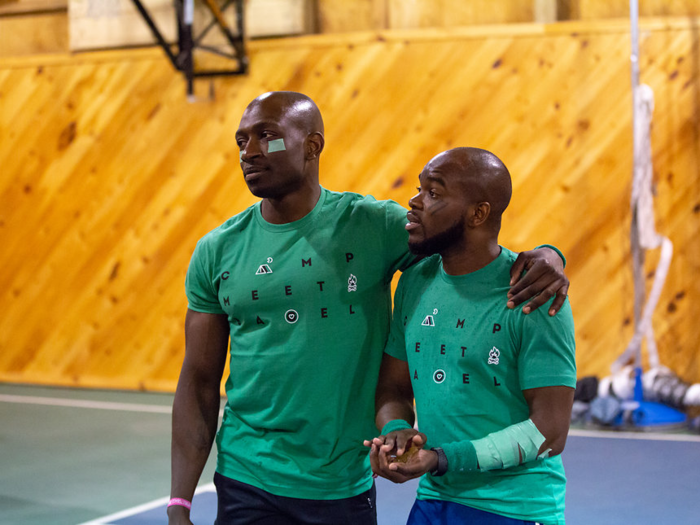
(433, 194)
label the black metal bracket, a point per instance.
(187, 42)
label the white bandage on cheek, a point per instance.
(272, 146)
(276, 145)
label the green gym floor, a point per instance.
(70, 457)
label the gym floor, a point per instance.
(71, 457)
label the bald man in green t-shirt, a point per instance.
(493, 389)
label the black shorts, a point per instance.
(242, 504)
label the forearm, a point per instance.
(514, 445)
(394, 396)
(392, 409)
(195, 418)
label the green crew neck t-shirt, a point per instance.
(470, 357)
(309, 309)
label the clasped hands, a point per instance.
(400, 456)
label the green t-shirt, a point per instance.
(309, 308)
(469, 358)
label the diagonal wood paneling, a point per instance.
(108, 176)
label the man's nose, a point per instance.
(251, 150)
(415, 201)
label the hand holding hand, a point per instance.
(400, 456)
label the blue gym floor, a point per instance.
(98, 457)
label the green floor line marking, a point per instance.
(81, 403)
(78, 403)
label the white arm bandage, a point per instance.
(510, 447)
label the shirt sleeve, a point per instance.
(396, 343)
(547, 348)
(201, 293)
(396, 249)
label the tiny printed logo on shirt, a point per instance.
(428, 321)
(291, 316)
(352, 283)
(494, 354)
(439, 376)
(263, 269)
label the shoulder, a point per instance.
(539, 317)
(562, 322)
(363, 204)
(507, 257)
(227, 232)
(497, 273)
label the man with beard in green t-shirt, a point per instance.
(300, 283)
(493, 389)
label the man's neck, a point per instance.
(291, 207)
(470, 258)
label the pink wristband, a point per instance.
(180, 501)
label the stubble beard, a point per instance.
(439, 242)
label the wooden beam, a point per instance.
(25, 7)
(33, 34)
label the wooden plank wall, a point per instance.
(109, 177)
(31, 27)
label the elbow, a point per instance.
(556, 446)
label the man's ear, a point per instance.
(479, 214)
(314, 145)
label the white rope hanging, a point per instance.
(643, 223)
